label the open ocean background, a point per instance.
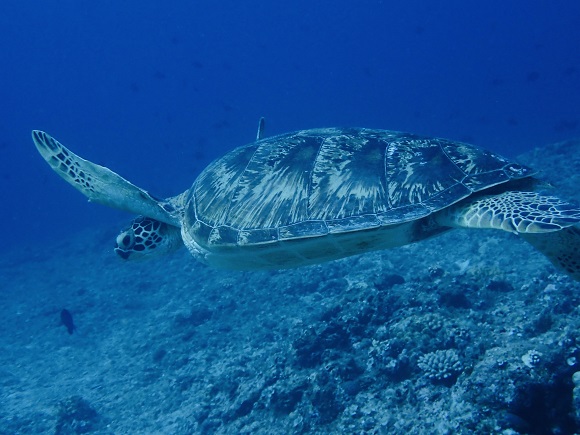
(157, 90)
(470, 332)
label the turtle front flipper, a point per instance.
(100, 184)
(546, 222)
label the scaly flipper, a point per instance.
(561, 247)
(100, 184)
(546, 222)
(513, 211)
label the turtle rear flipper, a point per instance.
(513, 211)
(561, 247)
(546, 222)
(100, 184)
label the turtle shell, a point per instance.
(317, 182)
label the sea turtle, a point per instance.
(322, 194)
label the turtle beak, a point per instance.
(123, 254)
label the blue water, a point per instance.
(156, 90)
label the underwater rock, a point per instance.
(496, 285)
(576, 396)
(454, 298)
(310, 346)
(532, 358)
(75, 416)
(284, 401)
(198, 315)
(387, 281)
(327, 404)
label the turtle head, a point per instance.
(147, 238)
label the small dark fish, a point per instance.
(67, 320)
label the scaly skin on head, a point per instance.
(146, 238)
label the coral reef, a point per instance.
(441, 365)
(471, 332)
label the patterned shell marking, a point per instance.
(315, 182)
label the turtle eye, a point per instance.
(125, 240)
